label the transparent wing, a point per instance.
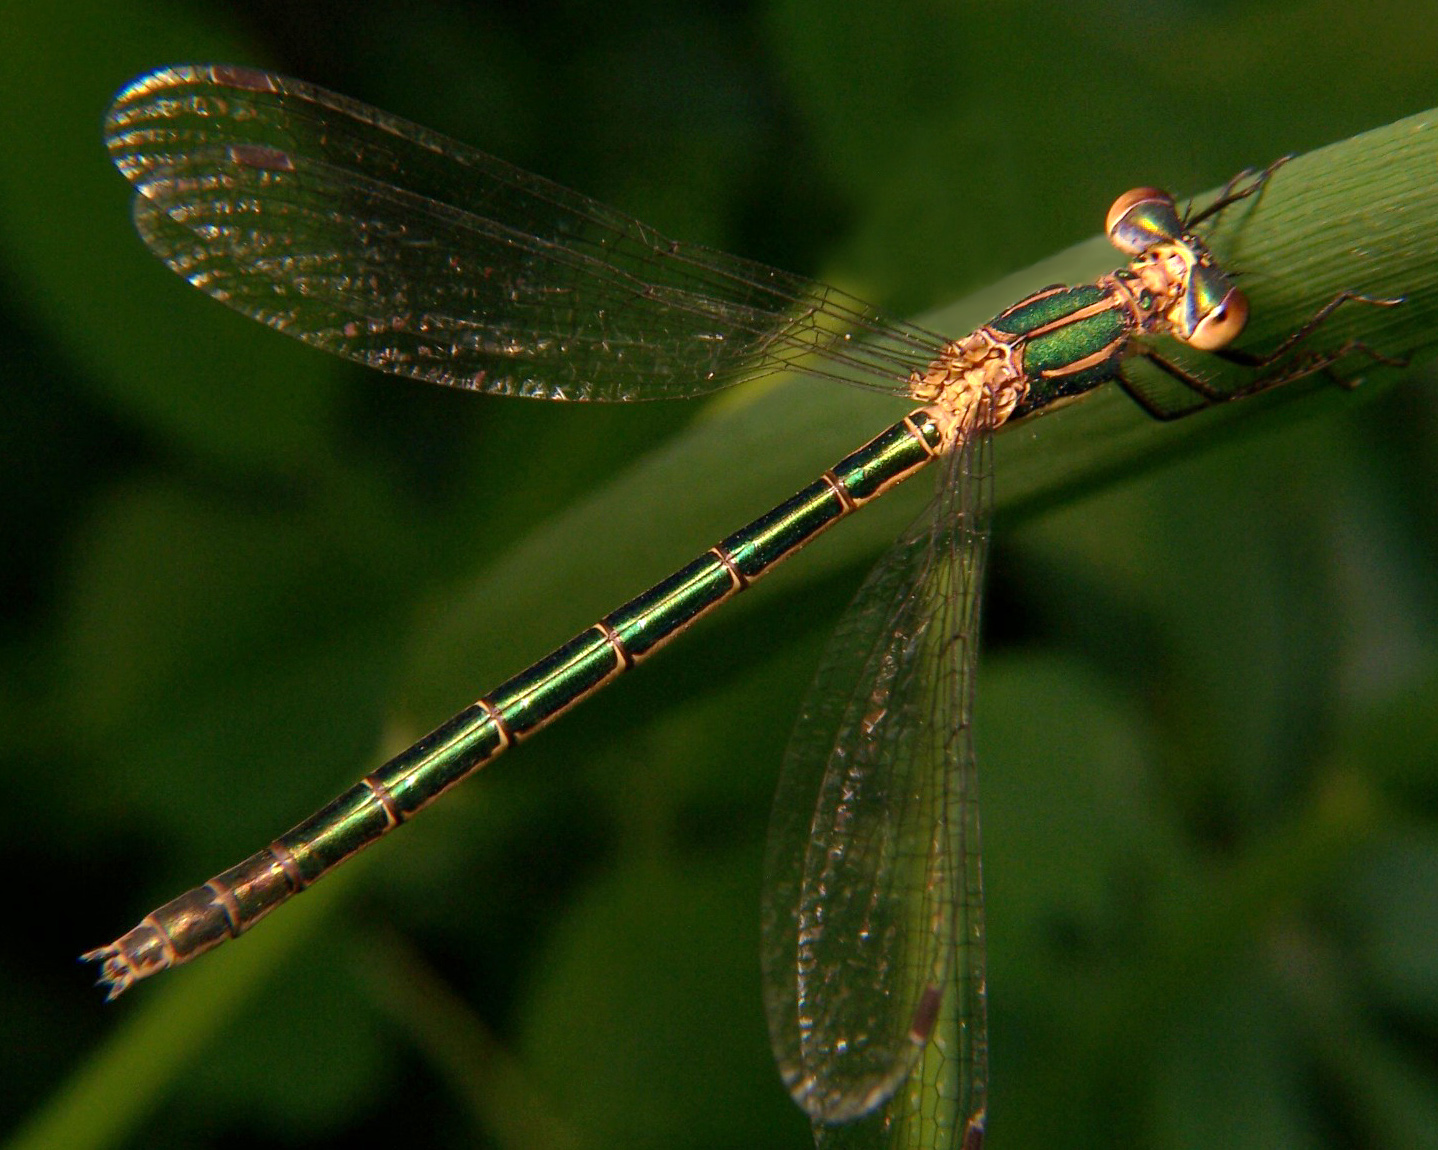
(383, 242)
(873, 939)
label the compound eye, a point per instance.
(1221, 326)
(1141, 218)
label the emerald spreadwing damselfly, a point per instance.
(393, 246)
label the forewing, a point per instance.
(389, 244)
(873, 914)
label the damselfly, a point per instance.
(388, 244)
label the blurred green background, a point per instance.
(239, 573)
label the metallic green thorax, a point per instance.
(1071, 339)
(1063, 341)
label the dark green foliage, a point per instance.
(238, 573)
